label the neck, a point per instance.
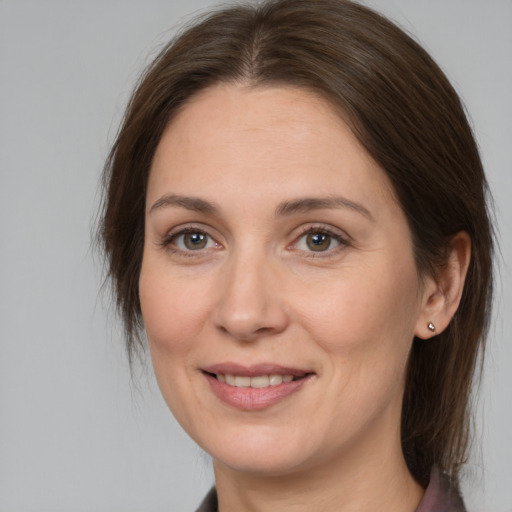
(377, 480)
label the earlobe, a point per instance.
(443, 293)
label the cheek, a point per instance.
(365, 326)
(365, 316)
(173, 311)
(173, 314)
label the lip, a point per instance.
(253, 399)
(255, 370)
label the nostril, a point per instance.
(264, 330)
(248, 308)
(248, 334)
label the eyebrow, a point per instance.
(308, 204)
(194, 204)
(286, 208)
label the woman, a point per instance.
(295, 213)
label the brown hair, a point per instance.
(409, 118)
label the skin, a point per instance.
(257, 293)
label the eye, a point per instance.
(318, 240)
(191, 240)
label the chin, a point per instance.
(260, 452)
(262, 463)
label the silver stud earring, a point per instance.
(431, 327)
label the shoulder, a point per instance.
(440, 496)
(209, 504)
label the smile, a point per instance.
(256, 387)
(259, 381)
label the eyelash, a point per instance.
(168, 242)
(343, 241)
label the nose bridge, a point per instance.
(249, 303)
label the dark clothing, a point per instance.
(438, 497)
(209, 504)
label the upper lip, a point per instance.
(254, 370)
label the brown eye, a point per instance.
(195, 241)
(192, 241)
(318, 241)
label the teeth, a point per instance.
(275, 380)
(242, 382)
(260, 381)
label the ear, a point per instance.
(442, 293)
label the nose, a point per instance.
(250, 302)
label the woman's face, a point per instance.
(278, 285)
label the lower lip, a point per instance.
(253, 399)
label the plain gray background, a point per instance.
(75, 433)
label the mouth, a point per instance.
(257, 382)
(256, 387)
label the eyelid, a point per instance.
(176, 232)
(343, 239)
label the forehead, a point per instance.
(264, 140)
